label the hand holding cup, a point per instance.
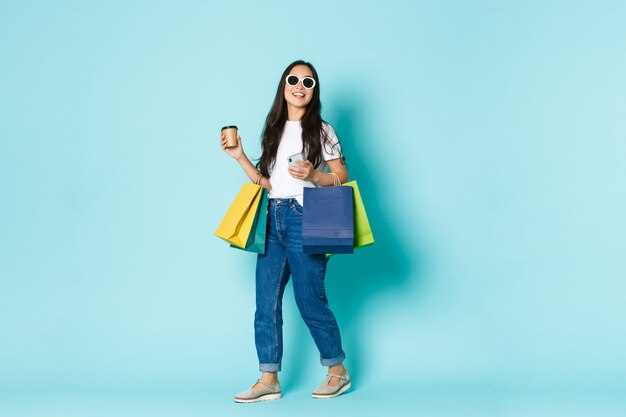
(231, 142)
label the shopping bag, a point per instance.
(256, 239)
(328, 222)
(237, 222)
(363, 235)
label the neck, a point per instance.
(295, 114)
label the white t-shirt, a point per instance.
(283, 184)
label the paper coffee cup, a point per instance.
(230, 132)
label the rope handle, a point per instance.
(336, 180)
(258, 179)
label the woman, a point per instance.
(294, 125)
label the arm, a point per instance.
(308, 172)
(248, 167)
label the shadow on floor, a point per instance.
(354, 282)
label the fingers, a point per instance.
(304, 164)
(299, 174)
(224, 141)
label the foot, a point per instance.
(261, 391)
(267, 378)
(333, 386)
(336, 370)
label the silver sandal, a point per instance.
(327, 391)
(272, 392)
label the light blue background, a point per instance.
(489, 142)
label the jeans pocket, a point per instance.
(297, 208)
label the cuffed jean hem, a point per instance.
(269, 367)
(334, 361)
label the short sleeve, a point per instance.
(331, 149)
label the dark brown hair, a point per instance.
(313, 136)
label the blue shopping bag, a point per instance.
(328, 222)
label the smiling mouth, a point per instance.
(297, 94)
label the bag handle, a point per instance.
(336, 180)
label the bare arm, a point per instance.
(248, 167)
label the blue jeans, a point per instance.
(284, 257)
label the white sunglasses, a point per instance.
(293, 80)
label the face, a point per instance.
(298, 96)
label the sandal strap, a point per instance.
(341, 377)
(266, 384)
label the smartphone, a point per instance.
(293, 158)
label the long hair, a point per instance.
(313, 136)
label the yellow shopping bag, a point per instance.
(363, 235)
(237, 222)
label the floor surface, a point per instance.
(415, 401)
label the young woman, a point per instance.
(294, 125)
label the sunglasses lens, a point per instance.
(308, 82)
(292, 80)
